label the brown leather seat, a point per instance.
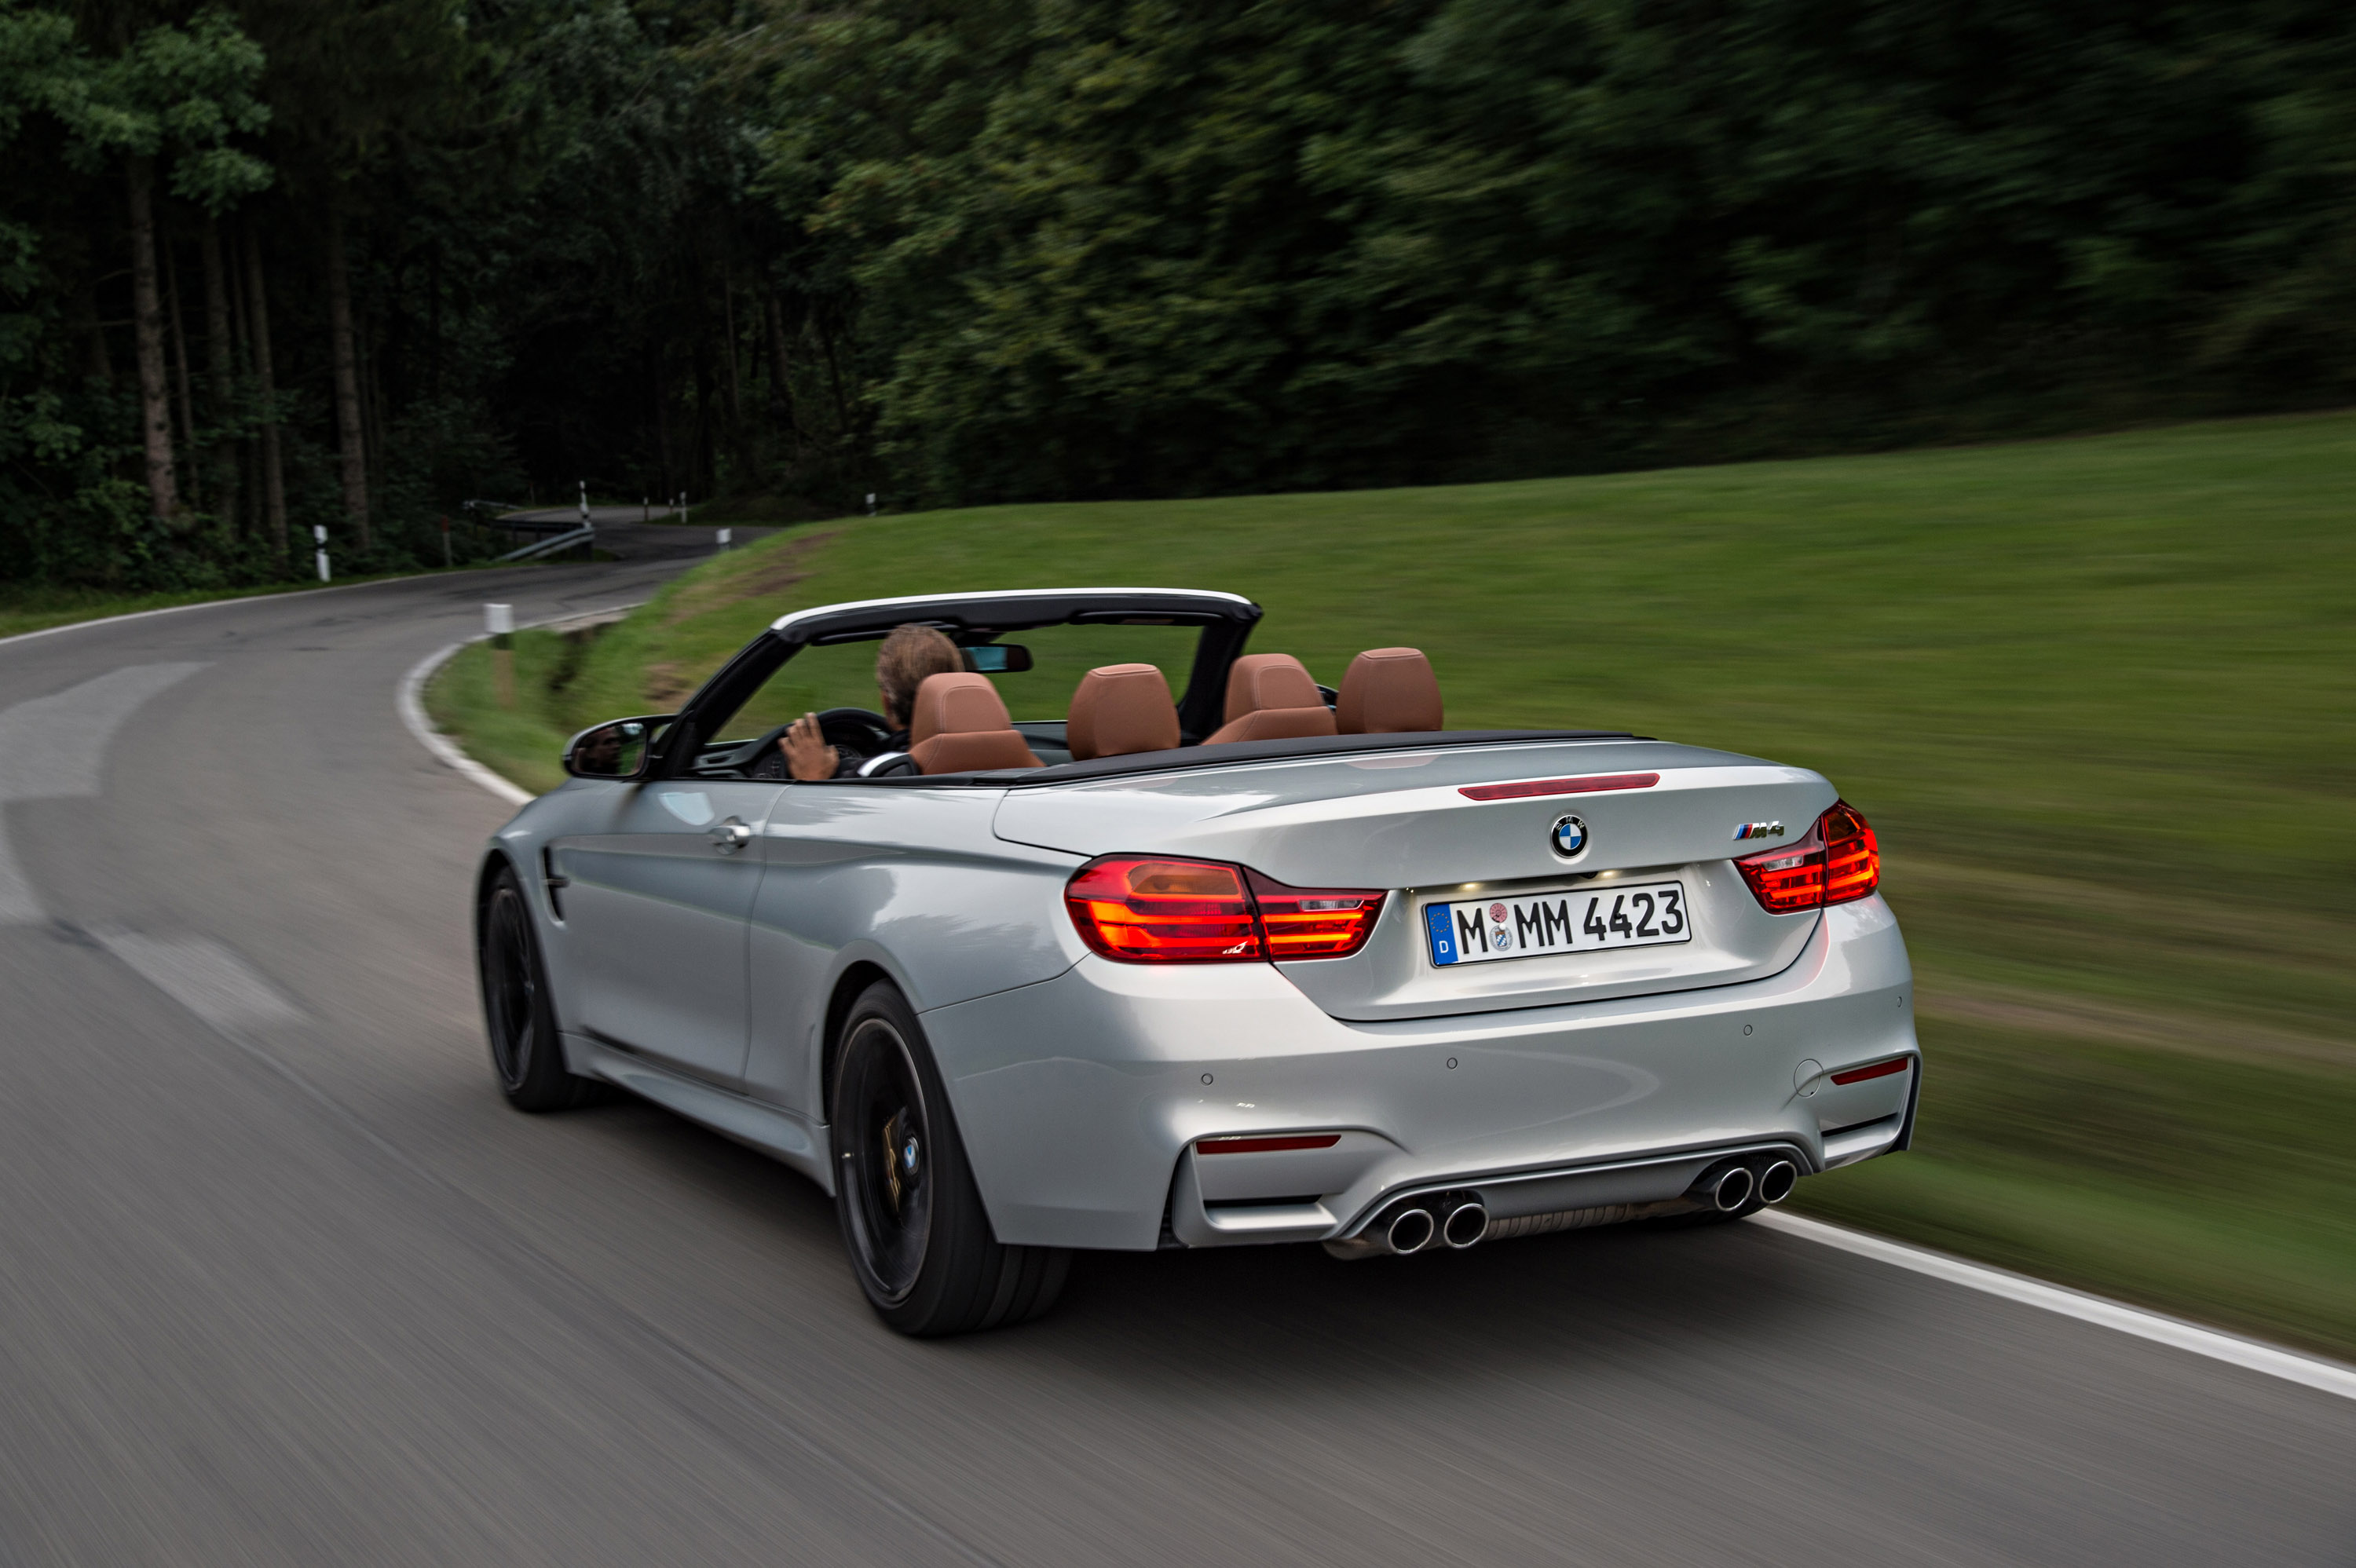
(1120, 709)
(960, 726)
(1389, 691)
(1271, 698)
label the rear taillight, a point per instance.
(1156, 910)
(1852, 856)
(1838, 861)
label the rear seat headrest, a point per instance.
(1269, 680)
(1119, 709)
(959, 725)
(1389, 691)
(1271, 698)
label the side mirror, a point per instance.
(997, 658)
(618, 749)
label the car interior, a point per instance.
(959, 722)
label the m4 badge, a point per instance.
(1759, 830)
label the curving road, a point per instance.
(282, 1281)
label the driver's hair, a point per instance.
(909, 655)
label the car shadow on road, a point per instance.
(1244, 1316)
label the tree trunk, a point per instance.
(740, 442)
(348, 383)
(147, 312)
(180, 365)
(220, 361)
(274, 477)
(781, 385)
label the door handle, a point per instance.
(731, 835)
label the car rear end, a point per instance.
(1434, 995)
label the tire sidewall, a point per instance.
(958, 1226)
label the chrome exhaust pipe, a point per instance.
(1466, 1225)
(1776, 1182)
(1732, 1188)
(1411, 1230)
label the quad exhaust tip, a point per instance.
(1775, 1182)
(1411, 1231)
(1466, 1225)
(1732, 1188)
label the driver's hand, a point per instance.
(807, 756)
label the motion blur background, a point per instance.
(1573, 342)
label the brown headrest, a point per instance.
(960, 726)
(1121, 708)
(1269, 680)
(954, 702)
(1389, 691)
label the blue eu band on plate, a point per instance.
(1579, 920)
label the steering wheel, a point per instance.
(856, 733)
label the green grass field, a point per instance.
(2097, 695)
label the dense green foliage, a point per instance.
(1067, 249)
(2107, 738)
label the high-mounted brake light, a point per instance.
(1528, 788)
(1157, 911)
(1838, 861)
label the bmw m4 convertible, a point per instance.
(1269, 961)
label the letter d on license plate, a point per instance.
(1478, 930)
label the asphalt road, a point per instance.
(283, 1281)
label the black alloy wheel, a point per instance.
(913, 1222)
(517, 1012)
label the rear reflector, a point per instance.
(1267, 1145)
(1878, 1070)
(1530, 787)
(1159, 911)
(1838, 861)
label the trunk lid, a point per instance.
(1400, 821)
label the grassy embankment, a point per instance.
(2097, 695)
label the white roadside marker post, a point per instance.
(499, 620)
(319, 538)
(584, 503)
(725, 535)
(871, 503)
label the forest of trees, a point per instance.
(273, 264)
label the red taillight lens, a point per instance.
(1837, 861)
(1787, 880)
(1142, 910)
(1852, 856)
(1313, 923)
(1163, 911)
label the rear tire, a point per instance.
(517, 1014)
(919, 1240)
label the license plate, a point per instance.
(1478, 930)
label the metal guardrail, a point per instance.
(585, 534)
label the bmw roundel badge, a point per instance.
(1570, 836)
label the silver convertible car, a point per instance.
(1267, 961)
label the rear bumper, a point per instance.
(1080, 1098)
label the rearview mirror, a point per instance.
(998, 658)
(618, 749)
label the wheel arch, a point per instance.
(848, 987)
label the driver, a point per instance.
(908, 655)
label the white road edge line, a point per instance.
(213, 603)
(410, 701)
(2313, 1371)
